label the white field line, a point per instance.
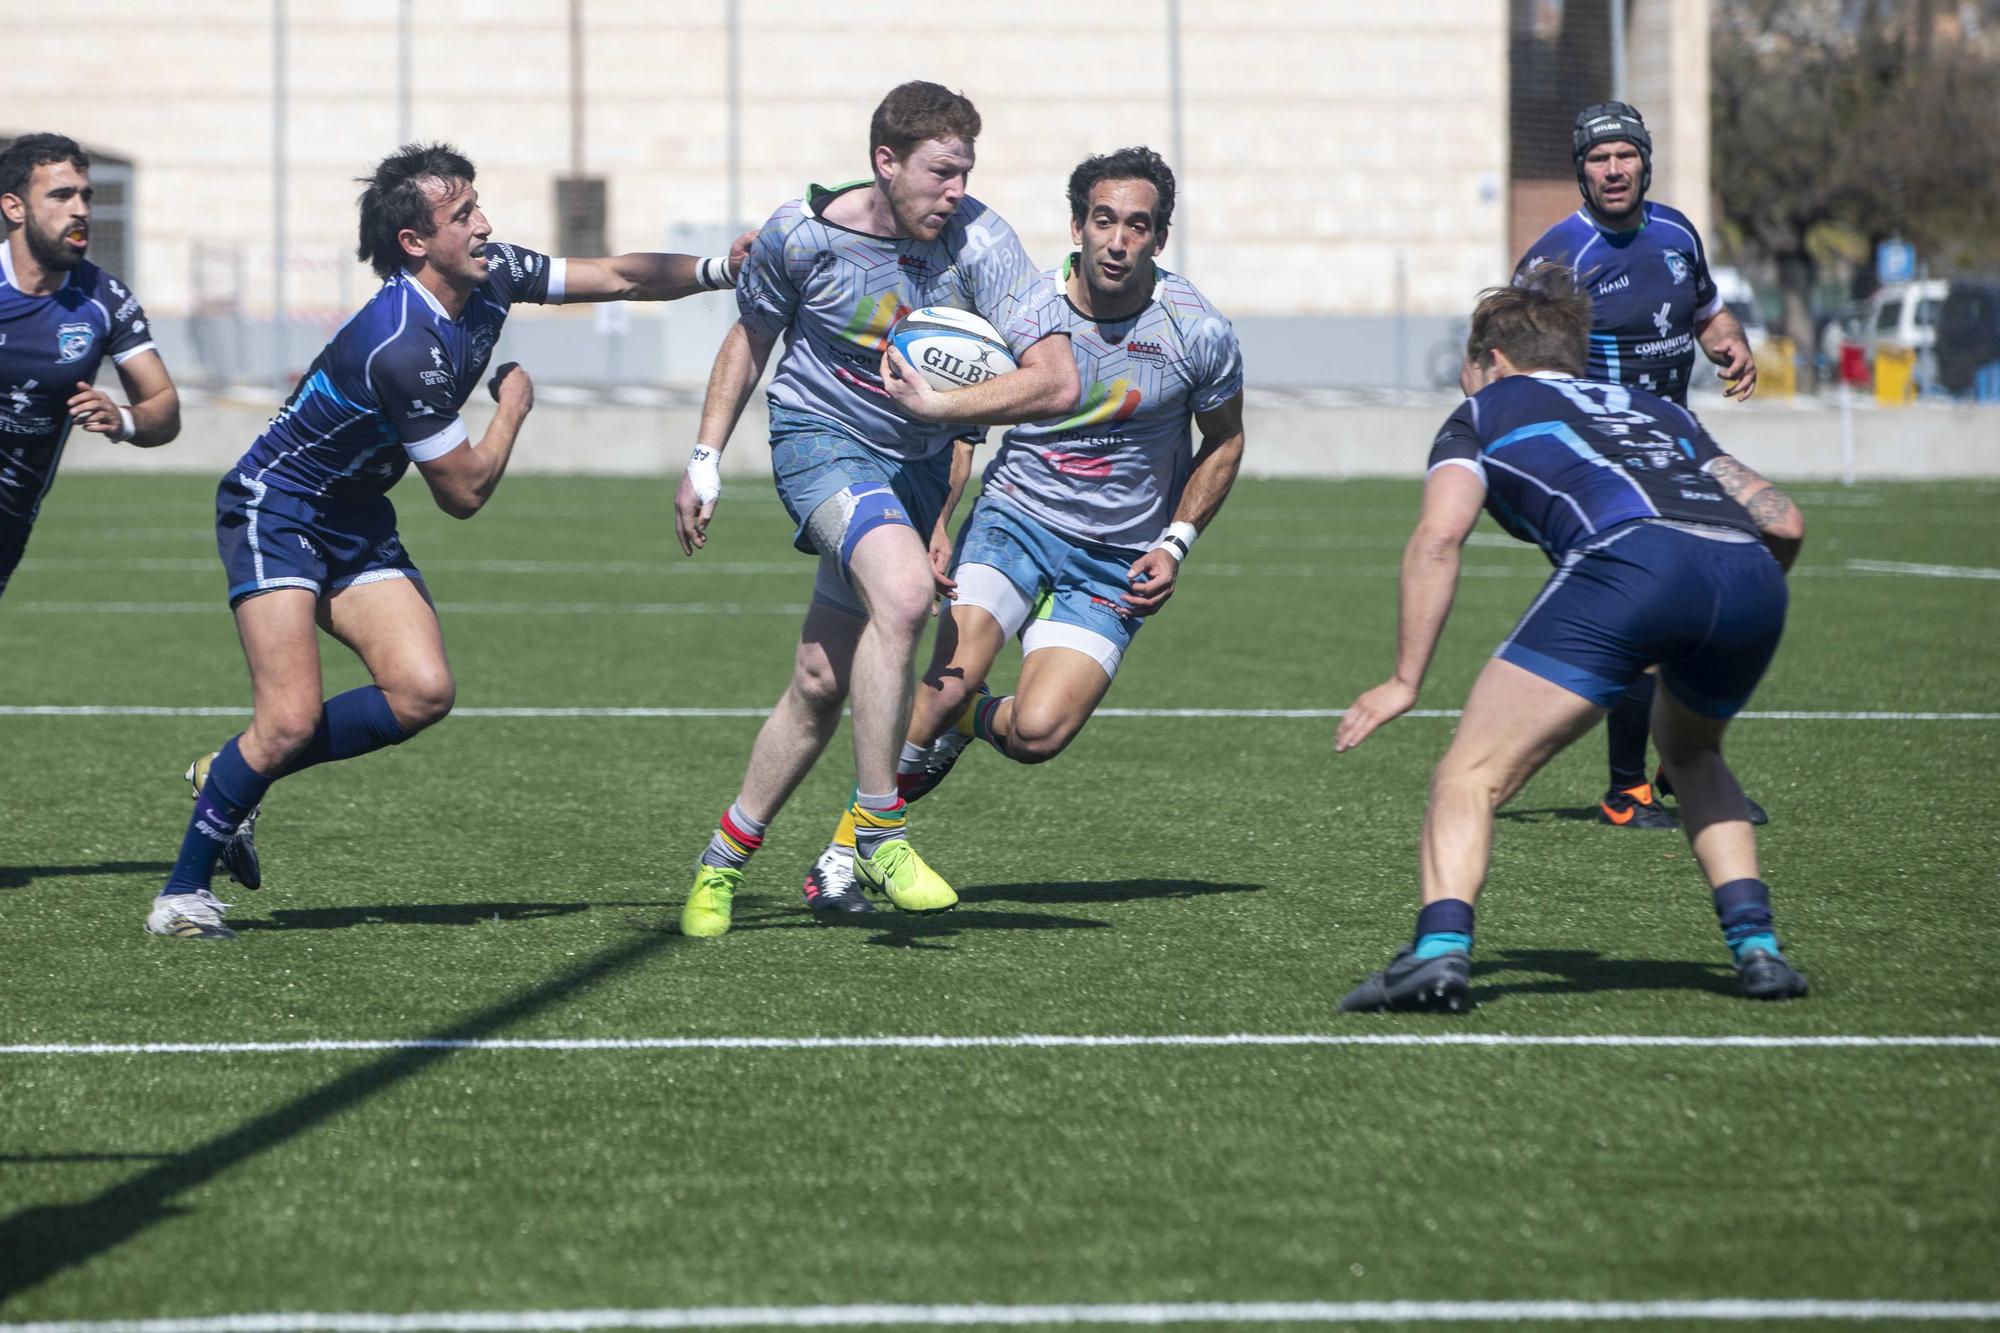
(1128, 1315)
(1016, 1041)
(1925, 571)
(219, 608)
(1308, 714)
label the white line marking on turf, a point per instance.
(217, 608)
(1926, 571)
(1140, 1314)
(203, 710)
(1025, 1040)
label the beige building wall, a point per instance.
(1667, 78)
(1341, 158)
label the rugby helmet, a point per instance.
(1609, 122)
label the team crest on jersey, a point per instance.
(482, 344)
(1677, 265)
(73, 342)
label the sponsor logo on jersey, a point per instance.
(1611, 285)
(437, 356)
(1663, 318)
(124, 311)
(1677, 264)
(73, 342)
(915, 264)
(435, 377)
(1145, 351)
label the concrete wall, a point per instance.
(1303, 434)
(1328, 147)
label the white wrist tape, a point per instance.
(127, 428)
(1177, 540)
(705, 473)
(713, 274)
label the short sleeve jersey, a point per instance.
(1113, 471)
(387, 390)
(1564, 459)
(50, 343)
(1648, 289)
(834, 293)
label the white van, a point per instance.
(1904, 314)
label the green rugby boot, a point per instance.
(706, 914)
(899, 874)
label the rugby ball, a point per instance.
(951, 348)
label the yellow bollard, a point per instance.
(1895, 375)
(1778, 368)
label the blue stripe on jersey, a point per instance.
(1552, 430)
(323, 386)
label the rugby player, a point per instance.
(863, 462)
(1084, 519)
(304, 524)
(1652, 303)
(1668, 552)
(60, 316)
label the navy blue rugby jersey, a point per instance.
(1564, 459)
(1648, 290)
(49, 343)
(386, 391)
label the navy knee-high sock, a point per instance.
(1743, 907)
(351, 724)
(1625, 732)
(232, 791)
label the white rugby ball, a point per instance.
(951, 348)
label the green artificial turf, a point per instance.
(520, 877)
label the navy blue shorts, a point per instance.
(1708, 610)
(271, 539)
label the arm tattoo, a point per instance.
(1769, 507)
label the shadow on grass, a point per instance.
(1569, 814)
(40, 1241)
(1101, 891)
(20, 877)
(1583, 971)
(902, 930)
(415, 914)
(37, 1158)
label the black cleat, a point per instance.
(1413, 984)
(239, 854)
(830, 886)
(1662, 787)
(1766, 976)
(1634, 807)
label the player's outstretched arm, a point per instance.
(1046, 385)
(1723, 341)
(463, 480)
(1783, 526)
(642, 276)
(1153, 575)
(739, 364)
(154, 416)
(1452, 500)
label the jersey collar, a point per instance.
(403, 276)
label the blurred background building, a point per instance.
(1351, 173)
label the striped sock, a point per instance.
(877, 819)
(735, 840)
(1443, 927)
(1743, 908)
(982, 714)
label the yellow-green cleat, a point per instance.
(897, 872)
(707, 912)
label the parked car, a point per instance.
(1968, 332)
(1741, 299)
(1904, 314)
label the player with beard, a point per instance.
(303, 521)
(60, 316)
(1085, 519)
(863, 463)
(1653, 303)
